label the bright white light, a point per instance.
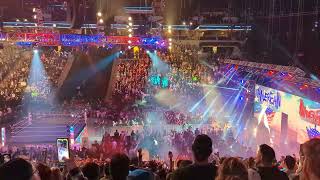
(35, 16)
(54, 25)
(100, 21)
(170, 47)
(129, 47)
(35, 51)
(17, 20)
(130, 24)
(130, 18)
(99, 14)
(130, 35)
(34, 10)
(191, 23)
(130, 30)
(129, 41)
(170, 39)
(184, 23)
(170, 43)
(121, 52)
(169, 27)
(255, 132)
(148, 51)
(25, 20)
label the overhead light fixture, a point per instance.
(35, 16)
(17, 20)
(25, 20)
(184, 23)
(130, 30)
(33, 9)
(100, 20)
(54, 25)
(130, 35)
(130, 18)
(99, 14)
(130, 23)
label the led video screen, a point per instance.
(283, 117)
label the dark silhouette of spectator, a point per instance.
(197, 132)
(116, 134)
(119, 167)
(56, 174)
(265, 158)
(289, 164)
(201, 169)
(18, 169)
(91, 171)
(44, 171)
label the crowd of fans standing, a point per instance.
(15, 64)
(264, 165)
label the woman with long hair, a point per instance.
(310, 160)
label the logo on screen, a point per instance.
(270, 97)
(312, 116)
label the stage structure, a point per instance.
(56, 39)
(285, 78)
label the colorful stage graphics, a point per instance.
(284, 118)
(55, 39)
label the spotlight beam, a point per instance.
(224, 106)
(198, 103)
(158, 63)
(86, 73)
(210, 106)
(240, 117)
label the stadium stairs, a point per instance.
(66, 71)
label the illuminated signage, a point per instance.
(271, 97)
(312, 116)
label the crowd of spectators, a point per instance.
(179, 71)
(131, 79)
(30, 163)
(15, 65)
(13, 74)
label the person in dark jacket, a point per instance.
(266, 169)
(201, 168)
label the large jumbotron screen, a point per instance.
(283, 117)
